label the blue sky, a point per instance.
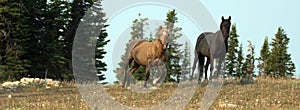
(254, 19)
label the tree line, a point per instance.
(274, 60)
(36, 37)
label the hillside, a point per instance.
(261, 94)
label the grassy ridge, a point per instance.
(262, 94)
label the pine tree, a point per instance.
(47, 20)
(76, 11)
(250, 60)
(264, 55)
(231, 58)
(55, 21)
(240, 60)
(101, 40)
(91, 38)
(12, 63)
(280, 59)
(247, 71)
(186, 63)
(173, 49)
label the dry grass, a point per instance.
(261, 94)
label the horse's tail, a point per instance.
(131, 46)
(194, 64)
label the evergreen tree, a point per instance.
(240, 60)
(231, 58)
(264, 55)
(186, 63)
(57, 64)
(173, 49)
(101, 40)
(76, 11)
(280, 60)
(90, 38)
(12, 63)
(247, 71)
(250, 61)
(47, 20)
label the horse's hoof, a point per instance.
(205, 80)
(155, 81)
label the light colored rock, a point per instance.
(16, 83)
(49, 82)
(56, 83)
(27, 80)
(37, 80)
(7, 84)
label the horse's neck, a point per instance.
(221, 33)
(158, 45)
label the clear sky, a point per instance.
(255, 19)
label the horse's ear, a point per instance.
(229, 18)
(160, 27)
(222, 18)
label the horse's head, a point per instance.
(163, 35)
(225, 27)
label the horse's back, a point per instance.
(209, 43)
(202, 44)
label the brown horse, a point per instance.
(147, 54)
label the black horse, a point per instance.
(213, 46)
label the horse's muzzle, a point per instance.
(165, 47)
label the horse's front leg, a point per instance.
(206, 69)
(147, 73)
(212, 68)
(219, 66)
(160, 66)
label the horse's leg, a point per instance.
(147, 73)
(200, 66)
(160, 69)
(206, 68)
(219, 66)
(194, 65)
(211, 67)
(132, 70)
(126, 64)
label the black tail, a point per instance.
(194, 64)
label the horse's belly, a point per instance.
(142, 60)
(140, 56)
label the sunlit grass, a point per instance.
(262, 94)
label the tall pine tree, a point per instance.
(13, 65)
(240, 60)
(173, 49)
(264, 55)
(280, 60)
(231, 58)
(101, 40)
(186, 62)
(247, 71)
